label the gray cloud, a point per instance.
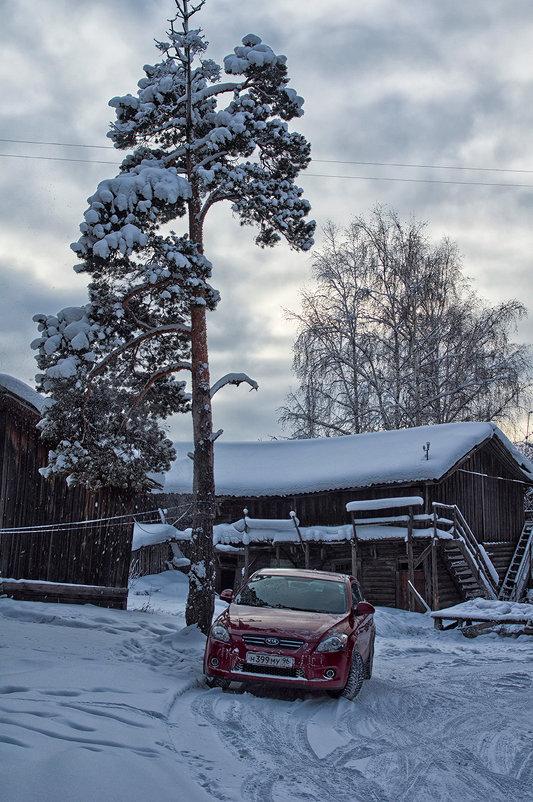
(424, 83)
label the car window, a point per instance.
(294, 593)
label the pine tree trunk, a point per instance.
(200, 602)
(201, 598)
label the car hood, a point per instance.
(274, 621)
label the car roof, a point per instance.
(304, 573)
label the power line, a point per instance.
(425, 166)
(58, 144)
(55, 159)
(319, 161)
(316, 175)
(419, 180)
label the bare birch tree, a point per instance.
(393, 336)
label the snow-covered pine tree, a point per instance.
(197, 141)
(109, 366)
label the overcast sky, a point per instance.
(442, 83)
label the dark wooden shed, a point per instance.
(470, 467)
(53, 535)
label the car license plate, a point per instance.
(277, 660)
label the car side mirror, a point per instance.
(226, 595)
(364, 608)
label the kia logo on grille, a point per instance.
(272, 641)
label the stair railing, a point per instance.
(476, 557)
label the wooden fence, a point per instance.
(92, 555)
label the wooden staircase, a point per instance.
(519, 571)
(465, 578)
(467, 561)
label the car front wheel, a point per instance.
(356, 677)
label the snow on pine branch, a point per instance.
(233, 378)
(122, 206)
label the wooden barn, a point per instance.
(52, 536)
(465, 534)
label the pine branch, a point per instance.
(233, 378)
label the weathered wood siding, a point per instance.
(95, 554)
(382, 568)
(492, 503)
(26, 498)
(86, 555)
(150, 559)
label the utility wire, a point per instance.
(55, 159)
(424, 166)
(58, 144)
(319, 161)
(311, 175)
(418, 180)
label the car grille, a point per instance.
(284, 643)
(273, 671)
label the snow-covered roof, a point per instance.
(21, 390)
(286, 467)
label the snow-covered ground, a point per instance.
(110, 705)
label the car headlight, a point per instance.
(333, 643)
(218, 632)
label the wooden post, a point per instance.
(434, 573)
(305, 547)
(427, 580)
(278, 558)
(246, 562)
(354, 545)
(410, 560)
(354, 548)
(354, 559)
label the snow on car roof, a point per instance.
(284, 467)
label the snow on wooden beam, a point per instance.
(384, 503)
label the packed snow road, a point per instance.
(101, 704)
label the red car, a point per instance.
(307, 629)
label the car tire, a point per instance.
(356, 677)
(369, 663)
(217, 682)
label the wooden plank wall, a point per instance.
(93, 554)
(86, 555)
(27, 499)
(150, 559)
(493, 503)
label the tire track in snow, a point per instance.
(275, 730)
(437, 730)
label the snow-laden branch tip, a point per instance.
(233, 378)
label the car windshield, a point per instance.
(294, 593)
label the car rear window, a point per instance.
(294, 593)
